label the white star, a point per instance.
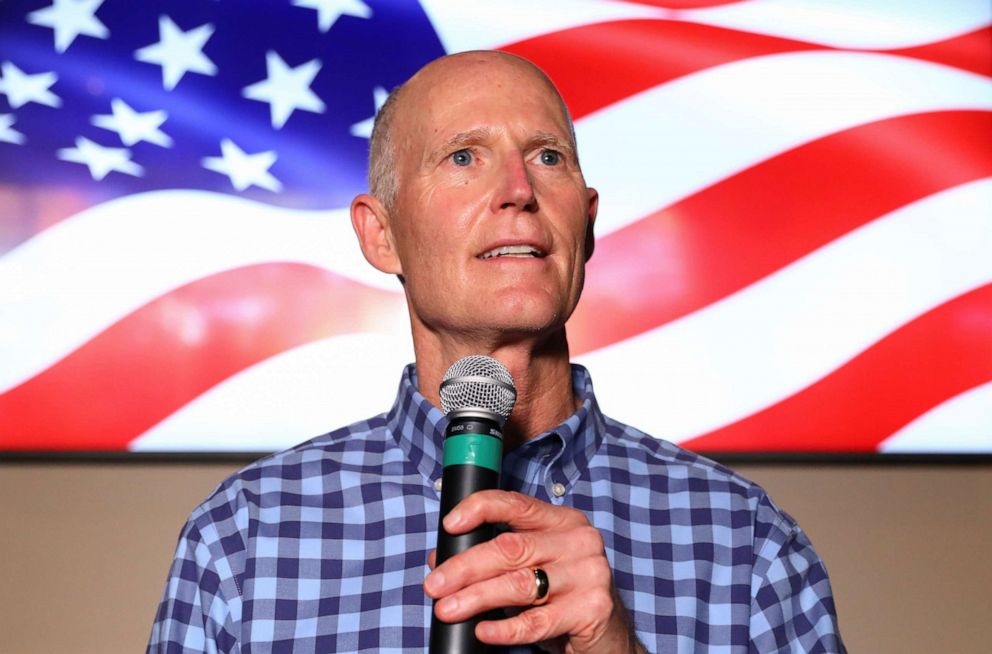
(286, 89)
(178, 52)
(133, 127)
(22, 89)
(7, 133)
(363, 129)
(69, 19)
(99, 159)
(328, 11)
(244, 169)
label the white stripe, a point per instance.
(774, 338)
(70, 282)
(293, 396)
(875, 24)
(667, 143)
(865, 24)
(962, 424)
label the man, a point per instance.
(478, 204)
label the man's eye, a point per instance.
(461, 158)
(550, 157)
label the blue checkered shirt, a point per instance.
(323, 547)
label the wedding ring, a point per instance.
(543, 586)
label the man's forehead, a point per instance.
(457, 97)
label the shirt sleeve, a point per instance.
(195, 614)
(792, 604)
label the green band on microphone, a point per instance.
(474, 450)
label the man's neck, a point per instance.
(540, 369)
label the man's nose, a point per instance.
(515, 189)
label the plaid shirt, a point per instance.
(323, 547)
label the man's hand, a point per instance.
(583, 615)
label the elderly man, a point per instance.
(478, 204)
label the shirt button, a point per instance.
(437, 484)
(558, 489)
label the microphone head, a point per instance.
(478, 385)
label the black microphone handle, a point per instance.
(473, 451)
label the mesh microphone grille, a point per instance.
(478, 382)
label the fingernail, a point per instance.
(486, 631)
(452, 520)
(434, 582)
(448, 605)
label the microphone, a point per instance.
(477, 393)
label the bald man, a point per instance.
(478, 204)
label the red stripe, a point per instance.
(162, 356)
(971, 51)
(594, 66)
(740, 230)
(597, 65)
(687, 4)
(939, 355)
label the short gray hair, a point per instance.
(382, 153)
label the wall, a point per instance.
(84, 550)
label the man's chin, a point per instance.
(518, 328)
(500, 318)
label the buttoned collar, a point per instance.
(546, 466)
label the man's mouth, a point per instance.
(516, 251)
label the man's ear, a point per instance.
(593, 209)
(370, 220)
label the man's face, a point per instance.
(492, 220)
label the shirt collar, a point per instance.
(557, 456)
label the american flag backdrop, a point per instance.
(794, 243)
